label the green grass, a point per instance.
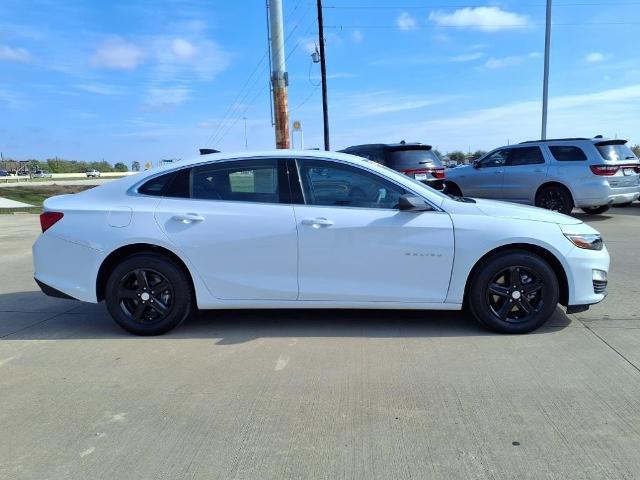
(36, 195)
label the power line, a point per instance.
(233, 106)
(497, 26)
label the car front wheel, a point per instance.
(513, 292)
(148, 294)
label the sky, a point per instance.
(143, 80)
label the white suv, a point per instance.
(591, 174)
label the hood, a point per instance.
(494, 208)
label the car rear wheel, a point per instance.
(596, 210)
(513, 292)
(623, 205)
(555, 198)
(148, 294)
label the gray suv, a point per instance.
(560, 174)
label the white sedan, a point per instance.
(303, 229)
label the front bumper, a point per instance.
(583, 289)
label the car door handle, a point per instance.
(498, 172)
(188, 218)
(317, 222)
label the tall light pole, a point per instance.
(545, 82)
(279, 78)
(246, 144)
(323, 74)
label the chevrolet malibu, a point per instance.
(292, 229)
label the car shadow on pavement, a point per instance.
(33, 316)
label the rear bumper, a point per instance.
(52, 292)
(610, 196)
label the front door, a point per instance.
(356, 246)
(236, 228)
(484, 180)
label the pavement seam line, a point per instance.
(611, 347)
(33, 325)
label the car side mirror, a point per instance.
(476, 164)
(413, 203)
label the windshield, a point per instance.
(616, 152)
(407, 159)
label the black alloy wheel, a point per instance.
(513, 291)
(556, 199)
(145, 295)
(515, 294)
(149, 294)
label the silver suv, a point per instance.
(560, 174)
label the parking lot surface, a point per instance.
(318, 394)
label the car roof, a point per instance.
(408, 145)
(599, 140)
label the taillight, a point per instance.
(437, 172)
(606, 170)
(48, 219)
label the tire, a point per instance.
(555, 198)
(452, 189)
(596, 210)
(622, 205)
(135, 305)
(497, 306)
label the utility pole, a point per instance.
(323, 74)
(545, 82)
(279, 77)
(246, 144)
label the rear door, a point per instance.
(235, 223)
(524, 171)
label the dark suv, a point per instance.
(416, 160)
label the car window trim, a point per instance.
(435, 208)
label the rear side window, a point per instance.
(524, 156)
(567, 154)
(615, 152)
(245, 180)
(157, 185)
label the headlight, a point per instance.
(588, 241)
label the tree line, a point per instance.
(60, 165)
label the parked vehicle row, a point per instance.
(591, 174)
(292, 229)
(560, 174)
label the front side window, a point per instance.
(242, 180)
(524, 156)
(329, 183)
(567, 153)
(496, 159)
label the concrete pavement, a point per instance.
(318, 394)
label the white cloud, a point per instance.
(467, 57)
(387, 101)
(99, 88)
(583, 115)
(166, 97)
(117, 54)
(14, 54)
(594, 57)
(179, 59)
(405, 21)
(357, 36)
(504, 62)
(183, 49)
(488, 19)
